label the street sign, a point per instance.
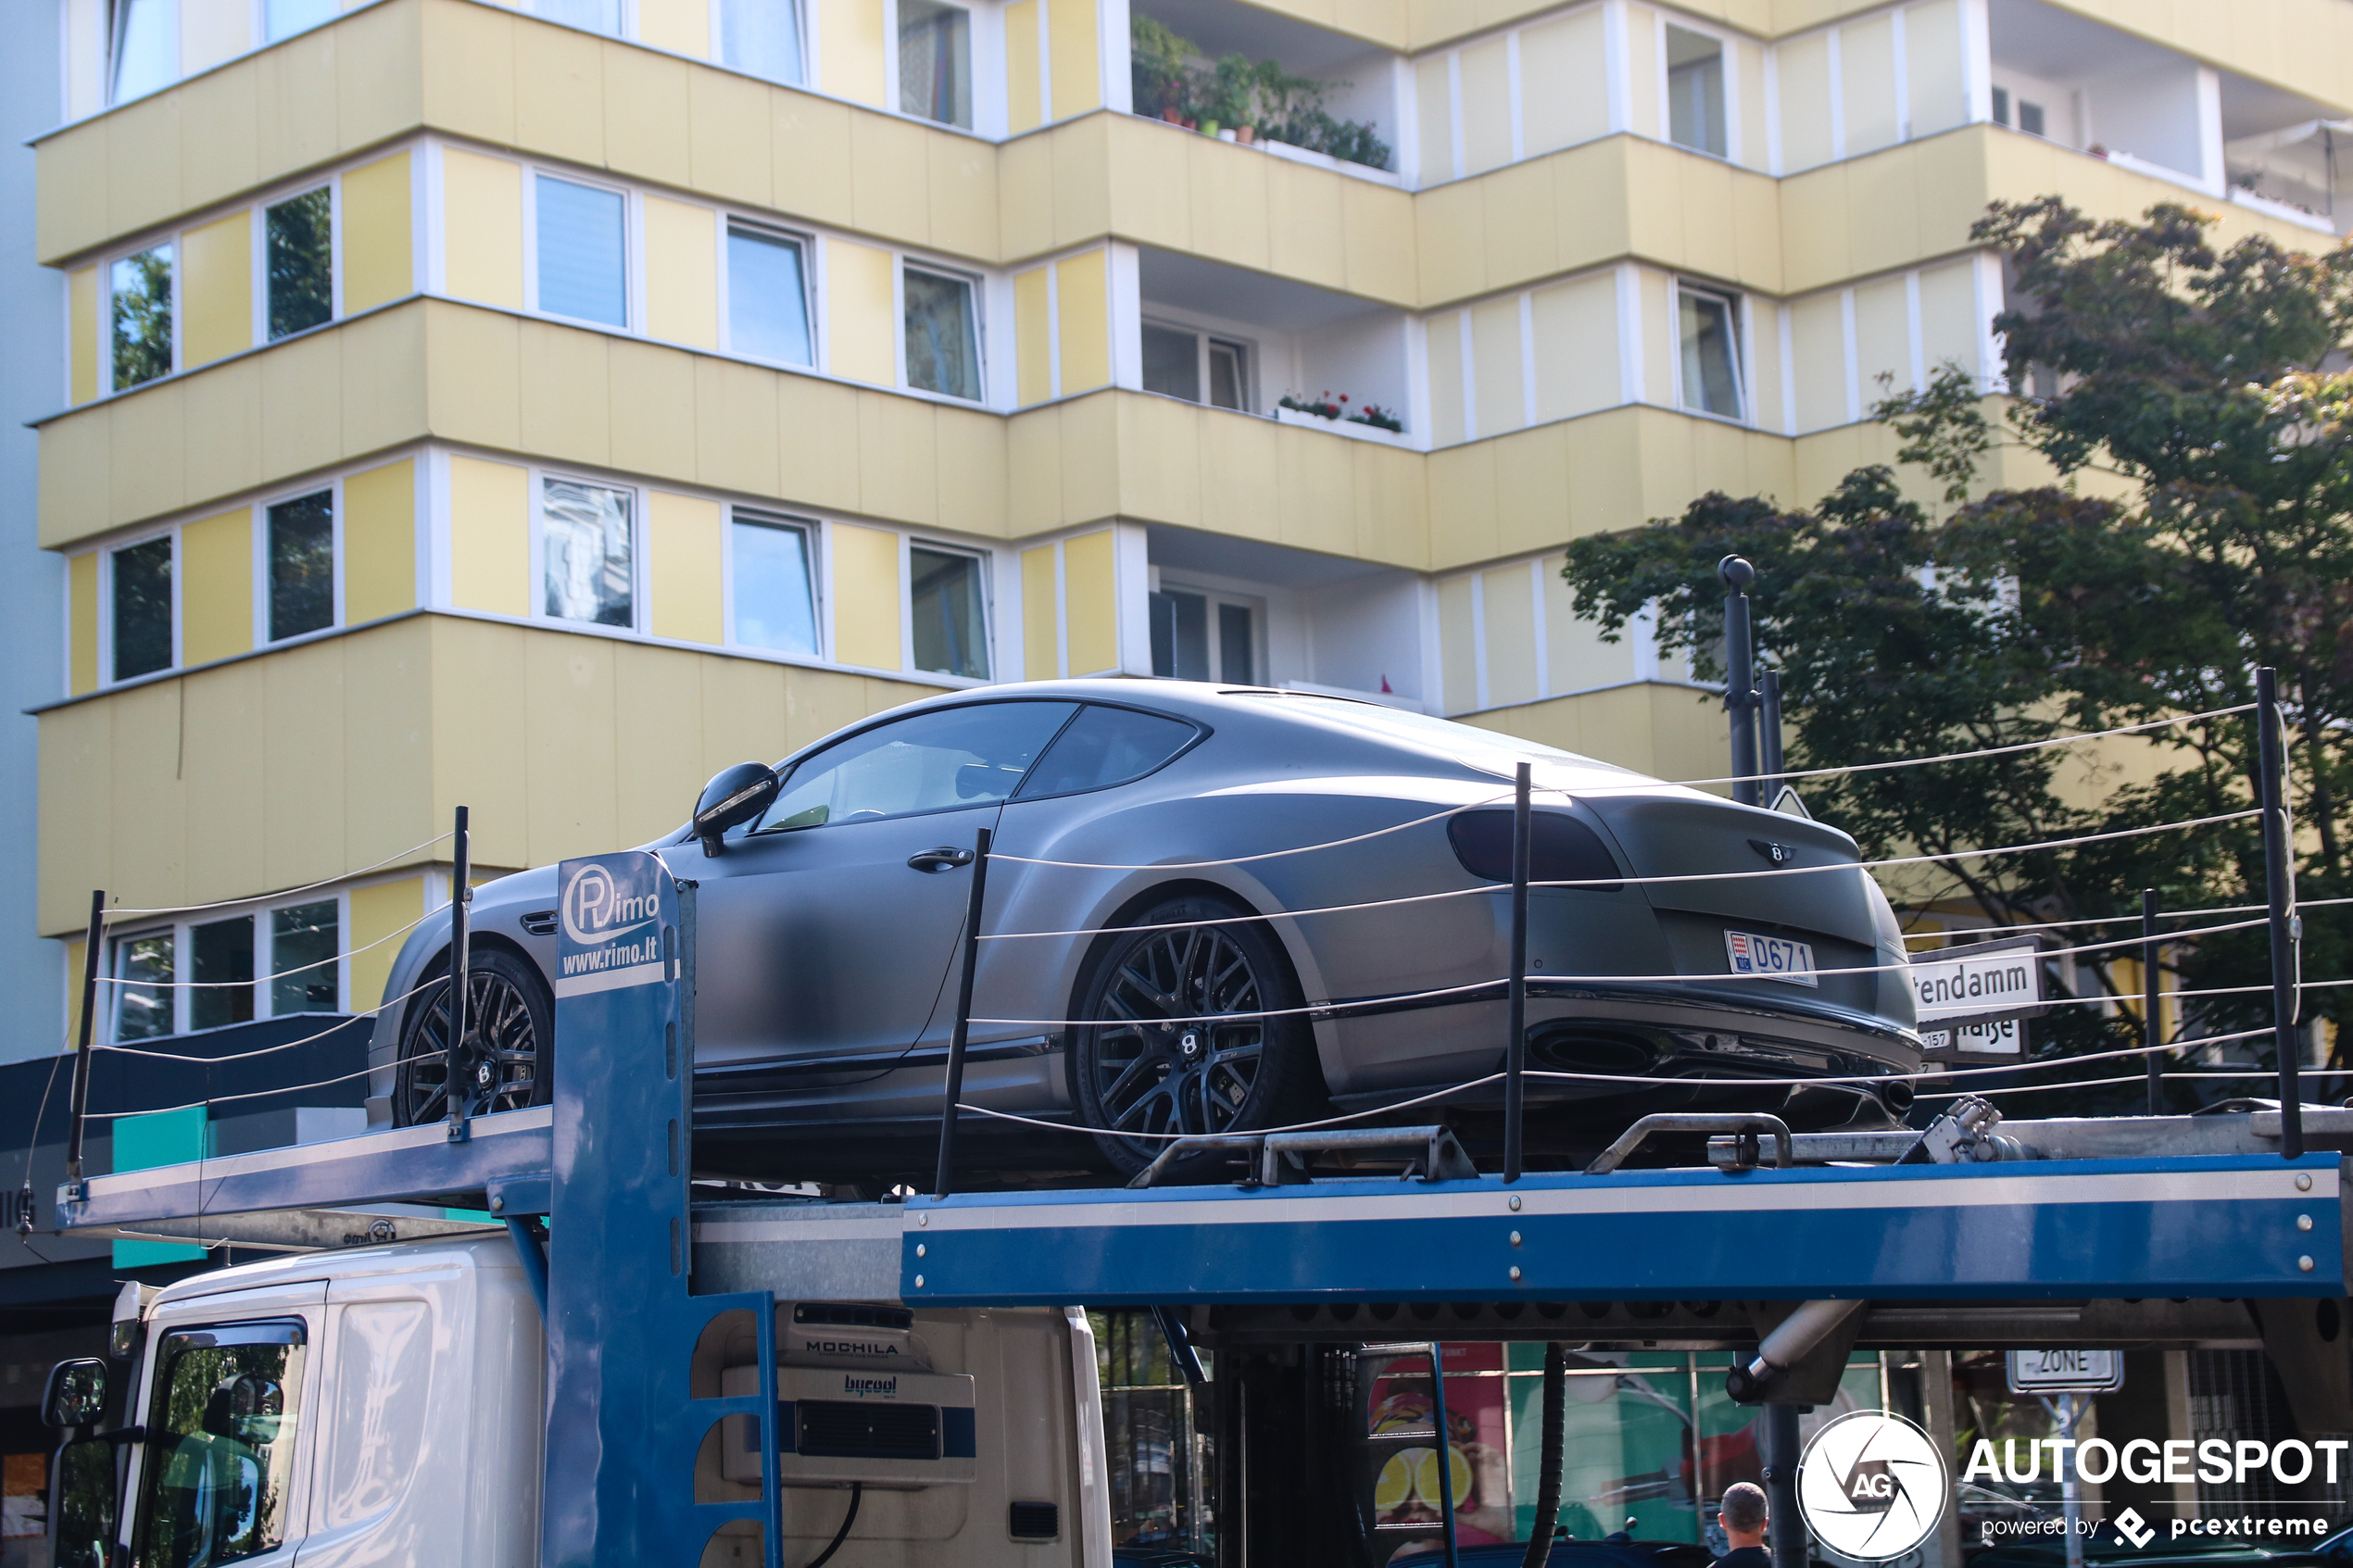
(1974, 1037)
(1982, 980)
(2066, 1371)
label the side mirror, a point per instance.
(736, 796)
(76, 1395)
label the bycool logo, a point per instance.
(1871, 1487)
(595, 911)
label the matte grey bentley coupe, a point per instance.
(1331, 875)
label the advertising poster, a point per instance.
(1402, 1450)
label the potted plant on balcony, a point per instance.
(1161, 72)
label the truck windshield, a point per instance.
(220, 1444)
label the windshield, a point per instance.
(1480, 748)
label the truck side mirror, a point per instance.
(736, 796)
(76, 1395)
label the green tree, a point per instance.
(2195, 386)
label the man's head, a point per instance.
(1744, 1515)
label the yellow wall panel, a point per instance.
(211, 31)
(1077, 82)
(1764, 344)
(866, 596)
(1804, 64)
(682, 27)
(1032, 352)
(1882, 339)
(681, 272)
(1949, 327)
(1090, 589)
(1024, 109)
(1866, 72)
(216, 289)
(1932, 67)
(1084, 288)
(380, 542)
(861, 320)
(1576, 331)
(215, 587)
(1457, 644)
(1748, 59)
(1511, 635)
(1495, 358)
(1486, 107)
(81, 334)
(1576, 658)
(85, 55)
(377, 250)
(1661, 341)
(1041, 616)
(1432, 87)
(1818, 334)
(849, 47)
(1643, 69)
(489, 536)
(482, 228)
(377, 911)
(1564, 82)
(81, 621)
(1446, 378)
(682, 537)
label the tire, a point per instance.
(1140, 1076)
(509, 1027)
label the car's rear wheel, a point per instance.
(510, 1043)
(1152, 1059)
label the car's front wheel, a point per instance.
(510, 1043)
(1154, 1057)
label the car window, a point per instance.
(220, 1444)
(1106, 745)
(933, 761)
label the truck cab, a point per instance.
(386, 1404)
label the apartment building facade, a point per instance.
(539, 408)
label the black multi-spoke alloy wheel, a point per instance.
(510, 1044)
(1152, 1065)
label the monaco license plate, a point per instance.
(1770, 958)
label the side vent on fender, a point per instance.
(1560, 849)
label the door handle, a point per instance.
(945, 858)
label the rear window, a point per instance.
(1106, 747)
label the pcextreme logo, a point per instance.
(1871, 1485)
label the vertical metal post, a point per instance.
(2152, 1034)
(1515, 1046)
(81, 1104)
(956, 1090)
(1740, 676)
(1786, 1527)
(1445, 1453)
(1769, 734)
(455, 1064)
(2279, 887)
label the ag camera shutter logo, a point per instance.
(1871, 1485)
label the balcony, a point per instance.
(1257, 78)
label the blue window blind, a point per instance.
(581, 269)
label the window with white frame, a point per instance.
(143, 46)
(298, 265)
(1180, 362)
(580, 234)
(768, 295)
(1707, 326)
(936, 62)
(761, 38)
(138, 315)
(947, 605)
(139, 606)
(942, 334)
(587, 546)
(267, 962)
(773, 583)
(1197, 635)
(299, 544)
(1695, 90)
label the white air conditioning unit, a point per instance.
(883, 1427)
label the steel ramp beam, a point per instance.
(2230, 1226)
